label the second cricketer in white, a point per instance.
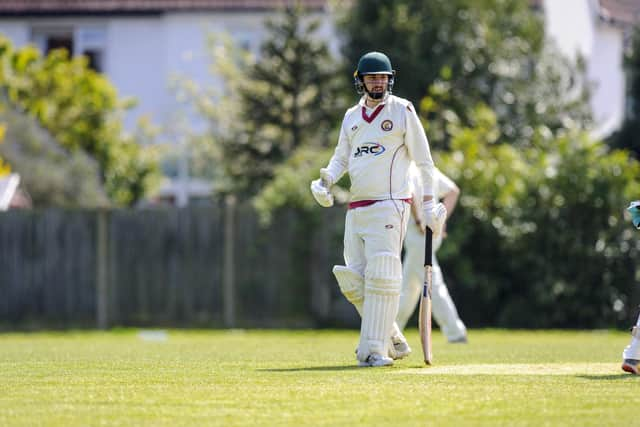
(379, 138)
(444, 310)
(631, 353)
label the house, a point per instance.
(599, 31)
(140, 44)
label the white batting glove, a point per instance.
(320, 189)
(435, 214)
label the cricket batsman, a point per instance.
(631, 354)
(379, 138)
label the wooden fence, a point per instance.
(213, 266)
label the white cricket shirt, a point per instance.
(376, 147)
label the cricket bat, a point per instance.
(424, 317)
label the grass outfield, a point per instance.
(294, 378)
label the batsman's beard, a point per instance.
(377, 94)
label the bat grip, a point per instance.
(428, 247)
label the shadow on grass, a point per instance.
(620, 376)
(312, 369)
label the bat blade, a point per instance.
(424, 317)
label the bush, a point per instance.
(81, 111)
(50, 174)
(540, 238)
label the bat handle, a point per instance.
(428, 247)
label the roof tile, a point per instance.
(17, 7)
(622, 11)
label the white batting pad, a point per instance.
(383, 277)
(351, 285)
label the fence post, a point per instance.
(228, 277)
(102, 260)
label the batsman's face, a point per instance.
(376, 83)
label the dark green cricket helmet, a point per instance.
(634, 210)
(373, 63)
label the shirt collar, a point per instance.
(364, 98)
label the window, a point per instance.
(59, 42)
(48, 39)
(91, 43)
(95, 59)
(245, 40)
(87, 41)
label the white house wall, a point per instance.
(576, 28)
(605, 69)
(186, 48)
(570, 24)
(134, 58)
(136, 64)
(142, 53)
(17, 32)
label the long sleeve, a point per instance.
(340, 160)
(415, 180)
(443, 185)
(418, 148)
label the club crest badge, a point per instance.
(386, 125)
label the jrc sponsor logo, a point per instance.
(369, 148)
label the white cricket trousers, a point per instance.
(632, 351)
(444, 310)
(373, 239)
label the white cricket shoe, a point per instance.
(631, 366)
(375, 360)
(400, 348)
(459, 340)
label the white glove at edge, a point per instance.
(435, 214)
(320, 189)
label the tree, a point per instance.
(289, 187)
(261, 111)
(289, 100)
(219, 106)
(460, 53)
(81, 110)
(51, 174)
(540, 238)
(5, 169)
